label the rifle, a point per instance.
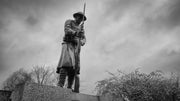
(83, 13)
(77, 79)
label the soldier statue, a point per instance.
(69, 63)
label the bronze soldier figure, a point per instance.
(69, 63)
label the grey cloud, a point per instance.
(164, 60)
(22, 6)
(32, 21)
(20, 9)
(171, 59)
(117, 8)
(3, 60)
(25, 5)
(17, 4)
(26, 15)
(166, 16)
(174, 13)
(1, 25)
(32, 11)
(2, 67)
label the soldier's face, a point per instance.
(78, 19)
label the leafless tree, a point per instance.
(19, 77)
(44, 75)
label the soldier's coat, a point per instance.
(70, 54)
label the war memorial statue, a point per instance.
(69, 63)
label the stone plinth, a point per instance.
(36, 92)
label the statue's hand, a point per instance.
(80, 28)
(83, 41)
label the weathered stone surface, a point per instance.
(36, 92)
(84, 97)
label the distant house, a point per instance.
(5, 95)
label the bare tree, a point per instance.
(19, 77)
(44, 75)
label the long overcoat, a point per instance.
(71, 46)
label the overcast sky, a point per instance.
(121, 34)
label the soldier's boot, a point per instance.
(70, 81)
(62, 77)
(77, 84)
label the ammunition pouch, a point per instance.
(79, 35)
(70, 39)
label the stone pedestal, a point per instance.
(36, 92)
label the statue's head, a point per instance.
(79, 16)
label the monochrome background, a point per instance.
(121, 34)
